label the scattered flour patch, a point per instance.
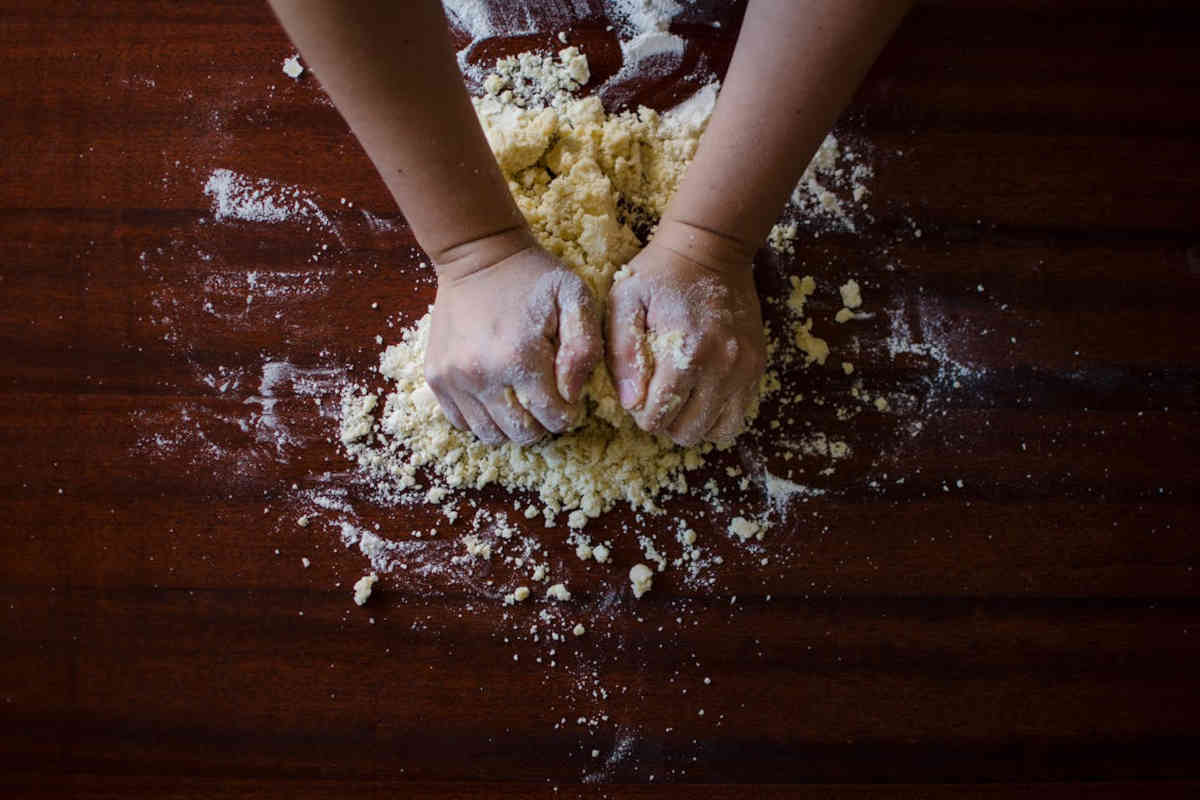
(239, 197)
(780, 491)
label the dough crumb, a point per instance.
(578, 630)
(851, 294)
(815, 349)
(745, 529)
(363, 588)
(292, 67)
(477, 548)
(558, 592)
(642, 578)
(802, 288)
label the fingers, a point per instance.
(494, 420)
(580, 345)
(697, 417)
(509, 415)
(627, 361)
(478, 419)
(449, 408)
(731, 420)
(670, 390)
(539, 396)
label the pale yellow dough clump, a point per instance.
(580, 177)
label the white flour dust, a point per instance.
(422, 525)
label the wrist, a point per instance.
(704, 245)
(479, 253)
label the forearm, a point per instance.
(796, 65)
(390, 69)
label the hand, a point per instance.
(511, 346)
(685, 336)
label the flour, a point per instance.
(830, 188)
(689, 117)
(643, 15)
(236, 196)
(650, 52)
(780, 491)
(487, 19)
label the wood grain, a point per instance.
(1030, 633)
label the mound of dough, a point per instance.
(583, 179)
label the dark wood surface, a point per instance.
(1032, 633)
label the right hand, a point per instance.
(510, 347)
(694, 295)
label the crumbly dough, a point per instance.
(582, 178)
(670, 346)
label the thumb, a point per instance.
(579, 343)
(627, 359)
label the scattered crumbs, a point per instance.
(641, 578)
(745, 529)
(851, 294)
(363, 588)
(292, 67)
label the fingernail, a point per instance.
(627, 390)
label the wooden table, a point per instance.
(1002, 603)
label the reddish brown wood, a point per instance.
(1032, 634)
